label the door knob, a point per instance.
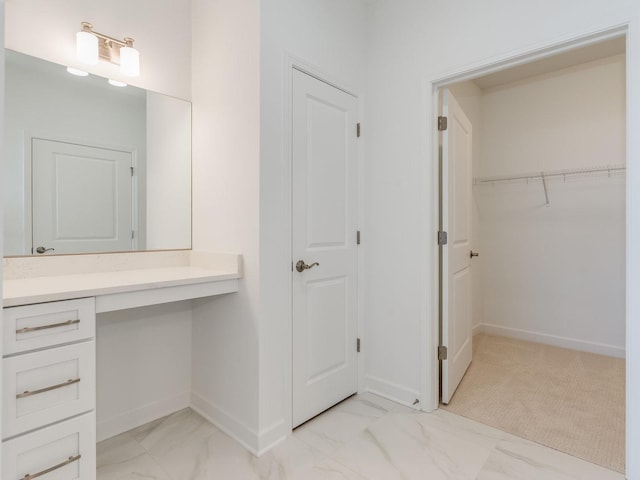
(44, 250)
(301, 266)
(473, 254)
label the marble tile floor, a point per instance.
(364, 437)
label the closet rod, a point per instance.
(554, 173)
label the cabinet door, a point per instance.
(65, 451)
(44, 387)
(42, 325)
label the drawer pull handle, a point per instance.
(46, 327)
(48, 389)
(51, 469)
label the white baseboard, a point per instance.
(273, 435)
(139, 416)
(557, 341)
(392, 391)
(246, 436)
(478, 328)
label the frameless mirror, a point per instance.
(92, 167)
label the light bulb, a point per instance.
(75, 71)
(87, 48)
(117, 83)
(129, 61)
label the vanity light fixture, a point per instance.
(116, 83)
(91, 45)
(75, 71)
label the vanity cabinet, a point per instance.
(49, 352)
(48, 410)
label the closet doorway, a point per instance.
(545, 303)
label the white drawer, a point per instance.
(31, 327)
(65, 451)
(47, 386)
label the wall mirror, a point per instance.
(91, 167)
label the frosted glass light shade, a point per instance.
(76, 72)
(129, 61)
(87, 48)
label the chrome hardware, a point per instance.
(44, 250)
(301, 266)
(28, 476)
(473, 254)
(46, 327)
(47, 389)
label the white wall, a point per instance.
(412, 43)
(168, 173)
(226, 189)
(143, 359)
(555, 273)
(44, 102)
(161, 30)
(240, 193)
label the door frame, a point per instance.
(430, 330)
(293, 62)
(28, 137)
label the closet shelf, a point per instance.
(608, 169)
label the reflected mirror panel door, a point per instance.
(43, 102)
(81, 198)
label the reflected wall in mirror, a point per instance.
(90, 167)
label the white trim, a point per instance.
(271, 436)
(140, 416)
(632, 257)
(361, 249)
(392, 391)
(300, 64)
(287, 152)
(554, 340)
(240, 432)
(490, 65)
(27, 242)
(528, 55)
(479, 328)
(293, 62)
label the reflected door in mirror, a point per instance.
(82, 198)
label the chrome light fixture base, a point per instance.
(115, 51)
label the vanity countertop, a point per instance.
(162, 275)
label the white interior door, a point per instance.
(456, 171)
(81, 198)
(324, 232)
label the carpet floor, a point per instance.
(565, 399)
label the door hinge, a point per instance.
(358, 130)
(358, 345)
(442, 353)
(442, 238)
(133, 234)
(358, 237)
(442, 124)
(132, 171)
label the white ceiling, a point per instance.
(570, 58)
